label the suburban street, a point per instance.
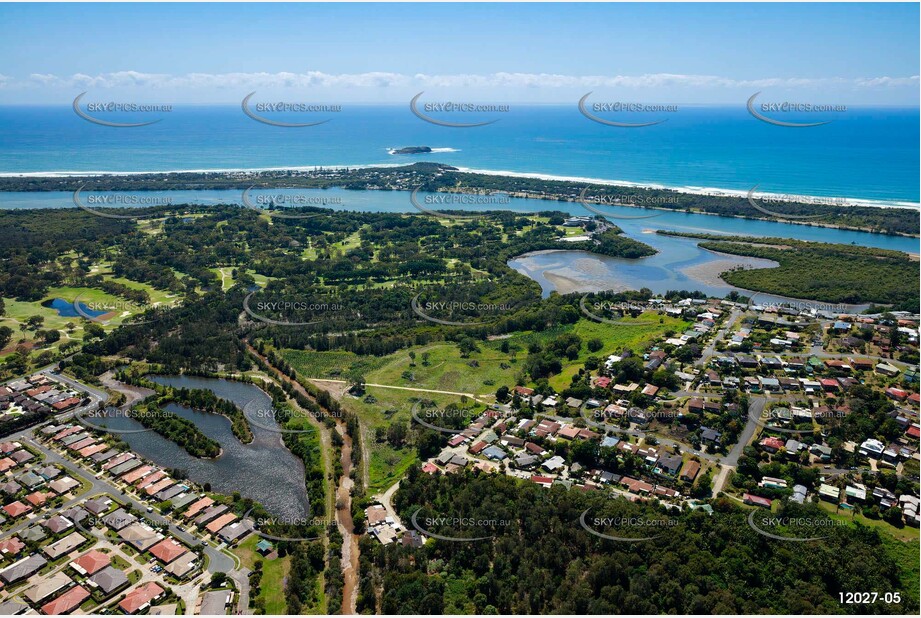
(218, 559)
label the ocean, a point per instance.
(865, 154)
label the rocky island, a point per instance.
(411, 150)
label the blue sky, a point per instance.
(681, 53)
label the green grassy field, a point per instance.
(330, 364)
(72, 328)
(445, 370)
(905, 534)
(486, 370)
(274, 572)
(378, 409)
(909, 560)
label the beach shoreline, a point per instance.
(687, 190)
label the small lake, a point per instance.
(264, 470)
(66, 309)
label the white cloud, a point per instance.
(383, 80)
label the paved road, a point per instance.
(386, 499)
(755, 409)
(710, 349)
(218, 561)
(102, 396)
(103, 486)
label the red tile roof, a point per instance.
(220, 522)
(66, 403)
(92, 561)
(38, 498)
(92, 450)
(198, 506)
(568, 432)
(140, 596)
(15, 509)
(159, 486)
(150, 479)
(11, 546)
(458, 439)
(167, 550)
(66, 432)
(753, 499)
(67, 602)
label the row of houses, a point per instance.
(147, 481)
(35, 394)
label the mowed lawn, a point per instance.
(274, 572)
(71, 328)
(378, 409)
(481, 374)
(485, 370)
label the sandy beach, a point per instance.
(689, 190)
(709, 272)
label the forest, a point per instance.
(821, 271)
(540, 560)
(432, 176)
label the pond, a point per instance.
(264, 470)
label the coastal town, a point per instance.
(574, 309)
(766, 392)
(742, 404)
(89, 526)
(682, 403)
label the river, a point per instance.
(679, 263)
